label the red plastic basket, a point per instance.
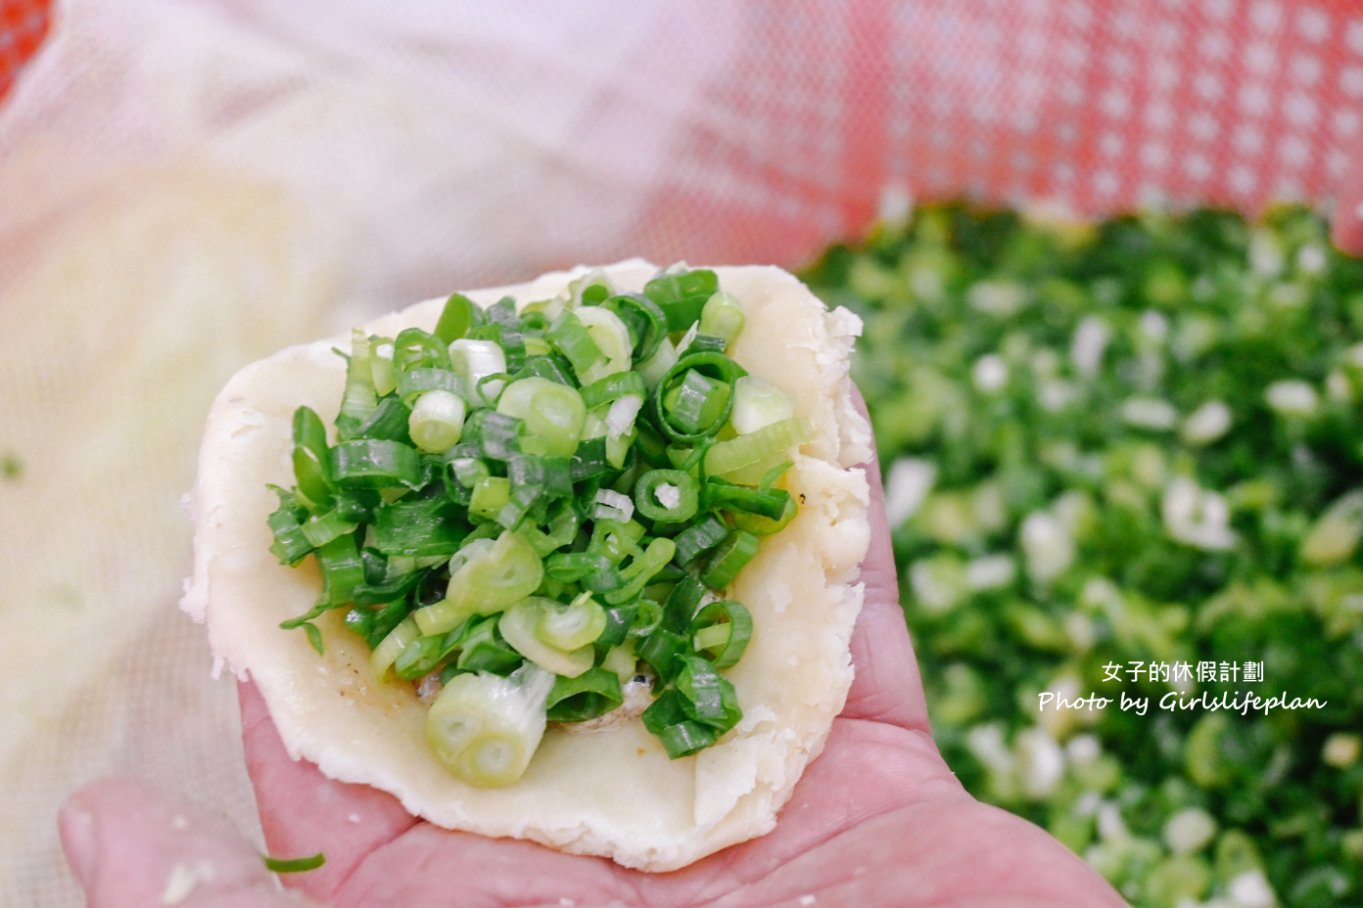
(23, 25)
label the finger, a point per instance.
(1346, 228)
(303, 812)
(887, 686)
(130, 844)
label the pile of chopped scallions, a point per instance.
(1117, 446)
(528, 511)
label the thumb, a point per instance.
(130, 844)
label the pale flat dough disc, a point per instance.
(612, 793)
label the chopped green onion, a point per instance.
(322, 528)
(457, 318)
(358, 399)
(551, 415)
(485, 577)
(667, 496)
(375, 463)
(473, 361)
(709, 697)
(727, 560)
(721, 631)
(437, 421)
(721, 317)
(295, 865)
(756, 449)
(611, 337)
(485, 728)
(680, 735)
(388, 650)
(699, 538)
(645, 320)
(682, 296)
(519, 626)
(591, 694)
(572, 339)
(476, 516)
(570, 626)
(611, 505)
(694, 399)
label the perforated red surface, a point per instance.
(23, 25)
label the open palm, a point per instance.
(877, 819)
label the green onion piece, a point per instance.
(290, 545)
(592, 693)
(662, 649)
(459, 315)
(388, 650)
(758, 403)
(694, 398)
(593, 570)
(615, 539)
(755, 449)
(551, 415)
(721, 316)
(710, 697)
(320, 529)
(419, 658)
(381, 369)
(437, 421)
(485, 728)
(414, 349)
(667, 496)
(648, 615)
(612, 505)
(721, 631)
(572, 339)
(342, 570)
(695, 406)
(490, 495)
(387, 421)
(310, 474)
(611, 337)
(485, 577)
(570, 626)
(518, 627)
(294, 865)
(621, 660)
(375, 463)
(358, 399)
(682, 296)
(413, 384)
(655, 367)
(699, 538)
(645, 320)
(642, 570)
(419, 528)
(682, 603)
(727, 560)
(309, 431)
(769, 503)
(680, 735)
(482, 650)
(612, 388)
(497, 435)
(473, 361)
(765, 526)
(591, 289)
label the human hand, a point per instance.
(878, 819)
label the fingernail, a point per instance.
(80, 840)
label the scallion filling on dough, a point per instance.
(529, 507)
